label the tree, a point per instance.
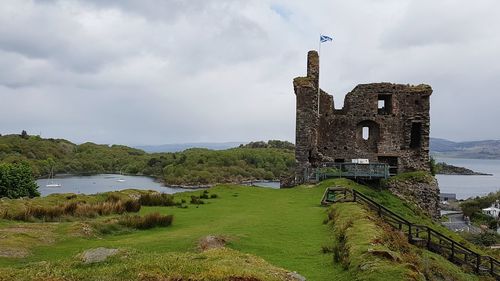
(16, 180)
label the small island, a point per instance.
(447, 169)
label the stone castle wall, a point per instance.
(394, 117)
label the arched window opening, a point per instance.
(366, 133)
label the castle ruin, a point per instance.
(382, 122)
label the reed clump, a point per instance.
(73, 209)
(147, 221)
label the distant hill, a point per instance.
(177, 147)
(193, 166)
(484, 149)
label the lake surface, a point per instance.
(463, 186)
(102, 183)
(470, 186)
(269, 184)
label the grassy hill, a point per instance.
(484, 149)
(269, 233)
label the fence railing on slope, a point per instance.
(420, 235)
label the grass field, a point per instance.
(268, 230)
(284, 227)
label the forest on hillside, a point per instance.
(196, 166)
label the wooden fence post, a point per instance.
(491, 265)
(452, 257)
(428, 238)
(410, 239)
(478, 262)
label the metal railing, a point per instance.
(420, 235)
(347, 170)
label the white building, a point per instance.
(492, 211)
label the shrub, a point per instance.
(157, 199)
(147, 221)
(70, 208)
(132, 206)
(72, 196)
(485, 239)
(112, 198)
(196, 200)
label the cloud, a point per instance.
(152, 72)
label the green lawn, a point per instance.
(284, 227)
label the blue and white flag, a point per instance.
(324, 38)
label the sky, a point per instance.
(174, 71)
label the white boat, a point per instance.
(120, 179)
(50, 180)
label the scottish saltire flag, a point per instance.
(324, 38)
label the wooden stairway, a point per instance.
(419, 235)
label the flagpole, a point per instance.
(319, 63)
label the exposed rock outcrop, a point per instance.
(98, 255)
(420, 188)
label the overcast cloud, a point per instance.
(169, 71)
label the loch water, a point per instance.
(470, 186)
(101, 183)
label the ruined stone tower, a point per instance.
(383, 122)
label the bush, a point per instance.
(70, 208)
(132, 206)
(213, 196)
(147, 221)
(485, 239)
(196, 200)
(157, 199)
(16, 180)
(111, 197)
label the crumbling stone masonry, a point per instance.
(382, 122)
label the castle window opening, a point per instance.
(416, 135)
(366, 133)
(384, 104)
(381, 104)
